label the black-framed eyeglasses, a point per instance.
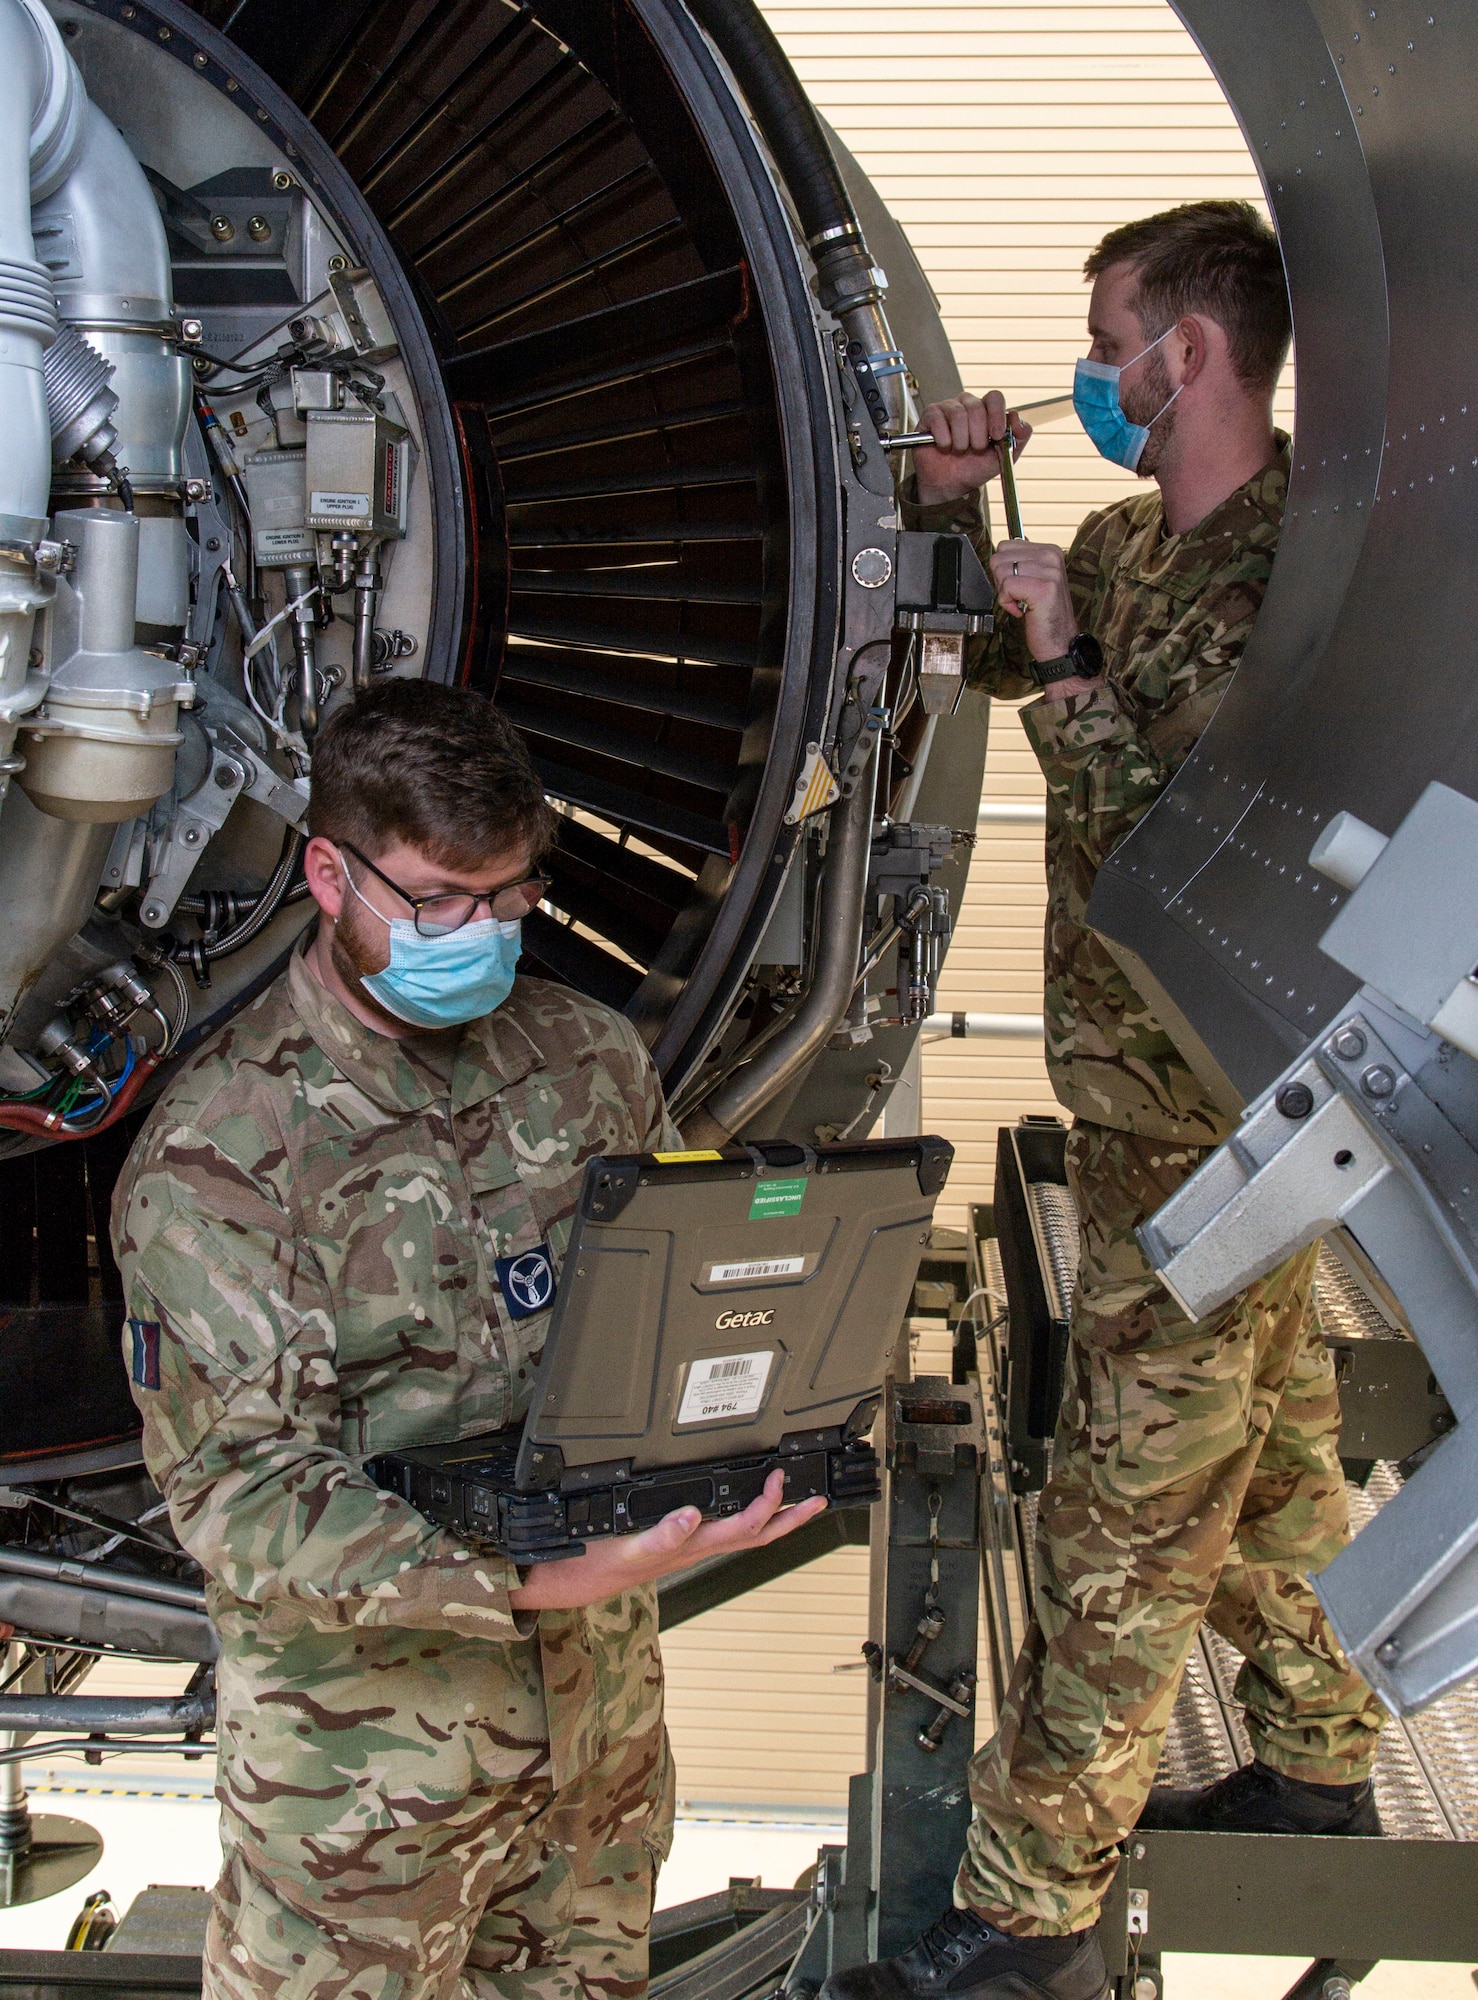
(436, 915)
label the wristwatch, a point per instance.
(1083, 660)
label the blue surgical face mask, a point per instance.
(445, 981)
(1096, 400)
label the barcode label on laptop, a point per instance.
(759, 1267)
(726, 1385)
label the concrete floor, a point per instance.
(173, 1838)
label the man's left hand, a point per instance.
(1031, 583)
(616, 1563)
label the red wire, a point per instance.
(48, 1124)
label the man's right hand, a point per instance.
(966, 451)
(625, 1562)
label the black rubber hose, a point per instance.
(266, 905)
(793, 133)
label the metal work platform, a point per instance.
(1426, 1774)
(1343, 1904)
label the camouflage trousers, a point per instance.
(401, 1831)
(1195, 1475)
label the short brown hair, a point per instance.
(1214, 257)
(437, 767)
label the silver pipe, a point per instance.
(1011, 812)
(985, 1027)
(298, 580)
(867, 323)
(23, 1562)
(139, 1715)
(366, 597)
(838, 945)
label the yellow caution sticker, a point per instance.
(815, 788)
(675, 1159)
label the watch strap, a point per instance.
(1063, 668)
(1082, 660)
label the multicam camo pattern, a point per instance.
(1195, 1474)
(1172, 613)
(398, 1833)
(313, 1218)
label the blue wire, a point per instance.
(81, 1110)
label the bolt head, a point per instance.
(192, 330)
(338, 262)
(1349, 1045)
(191, 836)
(259, 229)
(1295, 1100)
(872, 568)
(282, 180)
(1388, 1652)
(1145, 1988)
(1378, 1081)
(222, 228)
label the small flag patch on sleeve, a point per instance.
(145, 1352)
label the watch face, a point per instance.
(1086, 655)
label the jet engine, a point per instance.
(539, 346)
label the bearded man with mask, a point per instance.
(1195, 1470)
(340, 1232)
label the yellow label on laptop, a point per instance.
(675, 1159)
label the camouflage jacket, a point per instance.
(1172, 613)
(315, 1240)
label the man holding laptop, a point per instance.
(340, 1233)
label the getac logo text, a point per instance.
(726, 1320)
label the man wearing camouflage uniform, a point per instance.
(1195, 1471)
(339, 1233)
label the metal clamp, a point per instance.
(46, 557)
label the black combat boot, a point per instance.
(965, 1958)
(1258, 1799)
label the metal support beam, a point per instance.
(920, 1802)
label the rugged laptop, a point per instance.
(718, 1315)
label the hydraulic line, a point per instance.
(838, 945)
(199, 954)
(848, 282)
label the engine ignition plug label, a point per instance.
(343, 506)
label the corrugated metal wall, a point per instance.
(1007, 136)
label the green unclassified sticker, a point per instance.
(777, 1198)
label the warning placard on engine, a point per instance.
(726, 1385)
